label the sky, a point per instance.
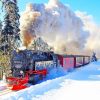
(89, 6)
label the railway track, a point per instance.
(6, 91)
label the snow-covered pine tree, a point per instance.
(10, 32)
(0, 26)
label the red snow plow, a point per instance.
(19, 83)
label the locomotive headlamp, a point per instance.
(21, 72)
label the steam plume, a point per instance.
(93, 44)
(56, 24)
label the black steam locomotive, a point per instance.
(24, 60)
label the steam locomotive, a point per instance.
(25, 60)
(26, 65)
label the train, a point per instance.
(28, 66)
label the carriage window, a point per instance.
(65, 62)
(71, 61)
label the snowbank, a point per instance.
(56, 72)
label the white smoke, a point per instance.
(56, 24)
(92, 44)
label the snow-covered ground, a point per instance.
(80, 84)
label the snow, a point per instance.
(3, 85)
(80, 84)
